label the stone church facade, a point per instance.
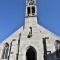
(31, 41)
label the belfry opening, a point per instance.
(31, 54)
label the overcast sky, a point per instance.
(12, 14)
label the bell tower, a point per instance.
(31, 13)
(31, 8)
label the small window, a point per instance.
(28, 10)
(33, 9)
(5, 51)
(30, 33)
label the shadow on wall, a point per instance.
(53, 56)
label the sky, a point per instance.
(12, 14)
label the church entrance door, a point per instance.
(31, 54)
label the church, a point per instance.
(31, 41)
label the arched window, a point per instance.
(28, 10)
(5, 51)
(57, 49)
(31, 54)
(33, 9)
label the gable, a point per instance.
(41, 29)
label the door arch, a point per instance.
(31, 54)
